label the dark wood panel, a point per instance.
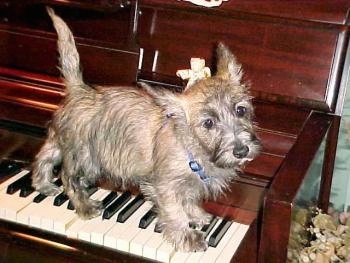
(104, 20)
(278, 57)
(25, 113)
(280, 118)
(243, 195)
(284, 188)
(264, 166)
(320, 11)
(37, 53)
(275, 143)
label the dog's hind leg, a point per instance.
(46, 160)
(77, 185)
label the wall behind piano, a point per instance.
(340, 194)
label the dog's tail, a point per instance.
(69, 60)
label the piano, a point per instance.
(295, 54)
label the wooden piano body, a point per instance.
(295, 54)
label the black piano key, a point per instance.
(130, 209)
(90, 192)
(9, 167)
(26, 190)
(207, 228)
(219, 232)
(60, 199)
(18, 184)
(116, 205)
(39, 198)
(109, 199)
(158, 228)
(147, 219)
(70, 205)
(58, 182)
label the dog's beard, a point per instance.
(225, 159)
(223, 156)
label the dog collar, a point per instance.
(197, 168)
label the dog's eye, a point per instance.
(208, 123)
(241, 111)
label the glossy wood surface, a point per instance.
(316, 11)
(281, 197)
(280, 57)
(104, 41)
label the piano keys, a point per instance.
(128, 223)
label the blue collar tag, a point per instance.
(198, 169)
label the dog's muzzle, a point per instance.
(240, 151)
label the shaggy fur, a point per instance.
(147, 137)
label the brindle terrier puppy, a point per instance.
(179, 148)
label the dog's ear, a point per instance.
(166, 99)
(227, 65)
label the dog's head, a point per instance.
(216, 113)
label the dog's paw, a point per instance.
(199, 222)
(194, 241)
(48, 189)
(90, 210)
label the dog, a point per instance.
(179, 148)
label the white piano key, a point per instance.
(109, 237)
(67, 218)
(23, 216)
(137, 243)
(12, 179)
(41, 209)
(72, 231)
(103, 226)
(213, 253)
(11, 205)
(165, 252)
(151, 246)
(52, 213)
(230, 249)
(179, 257)
(84, 233)
(64, 219)
(195, 257)
(112, 238)
(132, 229)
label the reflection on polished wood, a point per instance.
(293, 53)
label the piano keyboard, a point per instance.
(127, 224)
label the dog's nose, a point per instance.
(240, 151)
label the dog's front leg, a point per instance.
(198, 217)
(175, 225)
